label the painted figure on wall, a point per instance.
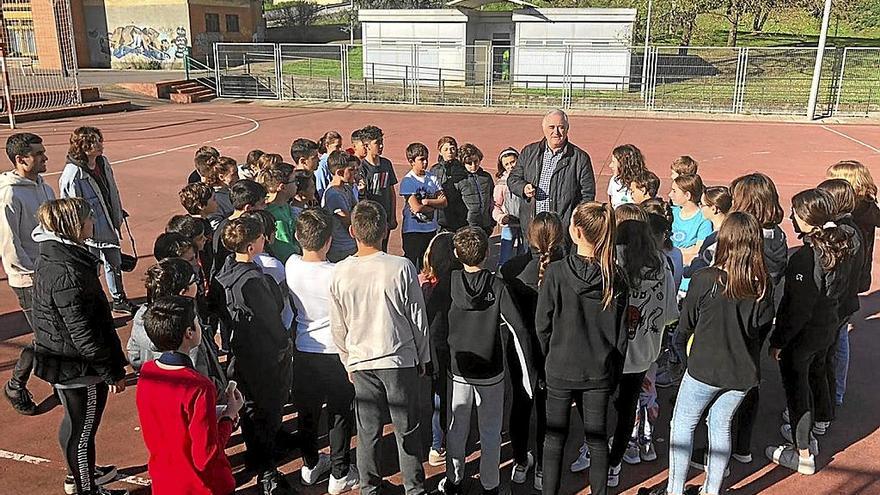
(149, 43)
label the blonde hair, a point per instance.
(596, 223)
(65, 217)
(857, 175)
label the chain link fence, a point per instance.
(39, 66)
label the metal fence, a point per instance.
(38, 72)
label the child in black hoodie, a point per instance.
(524, 275)
(480, 305)
(261, 348)
(580, 325)
(806, 324)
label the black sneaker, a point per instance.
(103, 475)
(124, 307)
(493, 491)
(447, 487)
(110, 491)
(21, 400)
(273, 483)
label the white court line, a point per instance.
(29, 459)
(866, 145)
(192, 145)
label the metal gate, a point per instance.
(39, 73)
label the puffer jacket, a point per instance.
(77, 182)
(572, 181)
(73, 327)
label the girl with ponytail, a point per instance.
(806, 324)
(725, 317)
(581, 330)
(650, 308)
(524, 276)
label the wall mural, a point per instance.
(164, 46)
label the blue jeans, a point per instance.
(693, 398)
(511, 244)
(436, 429)
(112, 260)
(842, 363)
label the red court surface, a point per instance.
(152, 154)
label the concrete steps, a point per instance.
(190, 92)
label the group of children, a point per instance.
(287, 261)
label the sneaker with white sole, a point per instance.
(647, 451)
(785, 431)
(448, 488)
(614, 476)
(520, 471)
(310, 476)
(437, 457)
(787, 456)
(742, 458)
(103, 475)
(344, 484)
(632, 455)
(582, 463)
(539, 479)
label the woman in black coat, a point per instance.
(77, 349)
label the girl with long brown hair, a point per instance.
(88, 175)
(808, 319)
(627, 163)
(581, 330)
(726, 315)
(651, 308)
(866, 213)
(524, 276)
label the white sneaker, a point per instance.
(647, 451)
(351, 480)
(785, 431)
(583, 461)
(311, 476)
(539, 479)
(631, 456)
(520, 471)
(614, 476)
(787, 455)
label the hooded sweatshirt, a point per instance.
(260, 343)
(867, 217)
(583, 343)
(479, 318)
(20, 198)
(775, 253)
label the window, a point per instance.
(212, 23)
(231, 23)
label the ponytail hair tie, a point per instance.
(829, 225)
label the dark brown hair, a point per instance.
(719, 197)
(194, 197)
(632, 163)
(756, 194)
(369, 224)
(691, 184)
(739, 239)
(630, 211)
(469, 153)
(843, 195)
(415, 150)
(546, 234)
(82, 140)
(445, 140)
(684, 165)
(275, 175)
(240, 232)
(816, 208)
(471, 245)
(648, 181)
(314, 228)
(326, 139)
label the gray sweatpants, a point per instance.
(490, 416)
(395, 391)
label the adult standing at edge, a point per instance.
(553, 174)
(88, 175)
(22, 191)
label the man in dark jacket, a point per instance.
(261, 349)
(552, 174)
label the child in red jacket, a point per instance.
(176, 406)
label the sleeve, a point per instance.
(439, 327)
(798, 298)
(284, 239)
(67, 185)
(586, 179)
(208, 436)
(516, 181)
(333, 201)
(704, 230)
(75, 309)
(697, 263)
(138, 345)
(322, 178)
(765, 313)
(519, 338)
(545, 308)
(392, 176)
(263, 296)
(338, 327)
(690, 314)
(498, 203)
(414, 302)
(16, 257)
(406, 186)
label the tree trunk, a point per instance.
(686, 32)
(760, 19)
(733, 17)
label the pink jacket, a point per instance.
(505, 203)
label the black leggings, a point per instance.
(520, 421)
(83, 408)
(796, 366)
(627, 398)
(595, 404)
(25, 364)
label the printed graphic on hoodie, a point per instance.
(650, 298)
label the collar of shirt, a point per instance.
(557, 152)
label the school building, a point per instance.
(144, 34)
